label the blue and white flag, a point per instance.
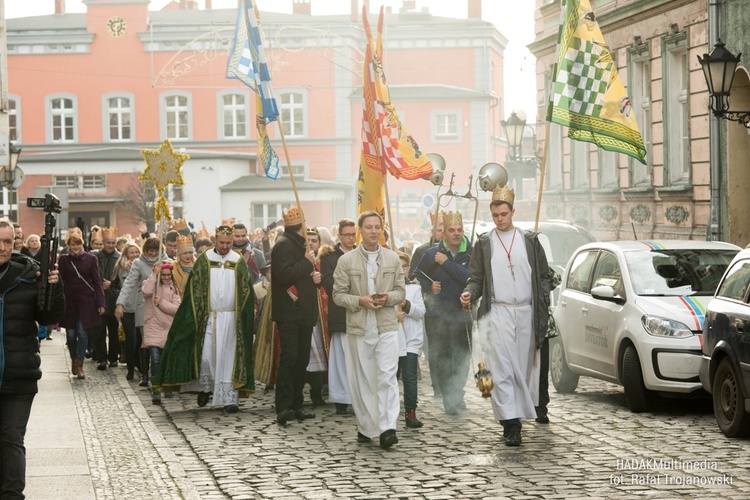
(247, 63)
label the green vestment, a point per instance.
(180, 361)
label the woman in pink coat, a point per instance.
(161, 306)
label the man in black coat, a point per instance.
(19, 359)
(294, 308)
(107, 258)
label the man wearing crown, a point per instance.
(107, 258)
(294, 308)
(209, 346)
(443, 272)
(509, 271)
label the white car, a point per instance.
(631, 313)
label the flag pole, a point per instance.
(291, 176)
(388, 211)
(541, 177)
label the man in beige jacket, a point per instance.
(369, 284)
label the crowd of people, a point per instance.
(214, 314)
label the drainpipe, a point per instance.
(713, 230)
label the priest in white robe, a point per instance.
(509, 271)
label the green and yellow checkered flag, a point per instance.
(587, 95)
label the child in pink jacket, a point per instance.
(161, 306)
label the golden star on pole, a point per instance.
(163, 166)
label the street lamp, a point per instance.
(514, 133)
(8, 173)
(718, 69)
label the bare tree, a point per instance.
(136, 201)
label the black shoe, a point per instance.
(513, 438)
(102, 365)
(284, 416)
(541, 415)
(341, 409)
(130, 375)
(203, 399)
(49, 337)
(303, 415)
(156, 398)
(113, 364)
(316, 395)
(88, 354)
(231, 408)
(411, 420)
(144, 382)
(361, 438)
(388, 439)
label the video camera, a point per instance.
(51, 205)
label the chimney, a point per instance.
(475, 9)
(301, 7)
(209, 5)
(59, 6)
(189, 4)
(410, 5)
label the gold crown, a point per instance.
(293, 216)
(185, 244)
(313, 230)
(453, 219)
(96, 233)
(504, 194)
(109, 231)
(203, 233)
(179, 225)
(440, 216)
(224, 230)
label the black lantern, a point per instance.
(718, 69)
(8, 173)
(514, 132)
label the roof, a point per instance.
(656, 245)
(262, 183)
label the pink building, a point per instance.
(89, 91)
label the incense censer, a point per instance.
(484, 380)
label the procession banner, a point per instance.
(247, 63)
(588, 95)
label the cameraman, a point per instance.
(19, 365)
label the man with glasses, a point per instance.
(338, 386)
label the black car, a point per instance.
(725, 366)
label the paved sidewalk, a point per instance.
(92, 438)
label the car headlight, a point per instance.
(663, 327)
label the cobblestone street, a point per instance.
(594, 448)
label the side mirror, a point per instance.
(603, 292)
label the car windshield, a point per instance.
(562, 244)
(677, 272)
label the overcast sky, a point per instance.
(513, 18)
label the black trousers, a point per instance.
(107, 328)
(543, 378)
(133, 339)
(450, 345)
(15, 410)
(295, 355)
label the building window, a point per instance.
(293, 114)
(266, 213)
(81, 182)
(9, 203)
(14, 119)
(446, 125)
(176, 116)
(62, 114)
(119, 118)
(299, 171)
(579, 164)
(640, 94)
(554, 157)
(607, 169)
(234, 114)
(676, 112)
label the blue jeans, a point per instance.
(408, 366)
(154, 354)
(14, 415)
(78, 340)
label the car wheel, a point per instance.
(564, 380)
(729, 402)
(636, 394)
